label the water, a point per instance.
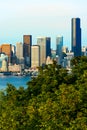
(17, 81)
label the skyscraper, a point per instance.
(45, 48)
(27, 42)
(7, 49)
(59, 45)
(19, 53)
(13, 54)
(76, 36)
(35, 56)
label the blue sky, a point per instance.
(41, 18)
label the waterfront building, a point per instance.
(59, 45)
(27, 43)
(76, 36)
(19, 53)
(15, 68)
(4, 67)
(3, 57)
(35, 56)
(45, 48)
(7, 49)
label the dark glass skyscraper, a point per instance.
(76, 36)
(27, 42)
(59, 46)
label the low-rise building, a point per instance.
(14, 68)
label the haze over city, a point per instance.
(41, 18)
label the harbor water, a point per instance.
(17, 81)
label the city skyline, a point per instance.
(41, 18)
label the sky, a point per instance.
(41, 18)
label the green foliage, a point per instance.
(54, 100)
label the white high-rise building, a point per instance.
(19, 53)
(35, 56)
(45, 48)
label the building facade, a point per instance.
(45, 48)
(15, 68)
(67, 60)
(76, 36)
(59, 45)
(7, 49)
(65, 49)
(13, 54)
(19, 53)
(27, 43)
(3, 57)
(35, 56)
(84, 51)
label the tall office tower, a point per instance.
(13, 54)
(19, 53)
(59, 45)
(27, 43)
(7, 49)
(13, 50)
(45, 48)
(76, 36)
(35, 56)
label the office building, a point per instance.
(84, 51)
(67, 60)
(59, 45)
(45, 48)
(65, 49)
(27, 43)
(53, 54)
(13, 54)
(35, 56)
(3, 57)
(19, 53)
(4, 66)
(15, 68)
(7, 49)
(13, 50)
(76, 36)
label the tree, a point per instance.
(53, 100)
